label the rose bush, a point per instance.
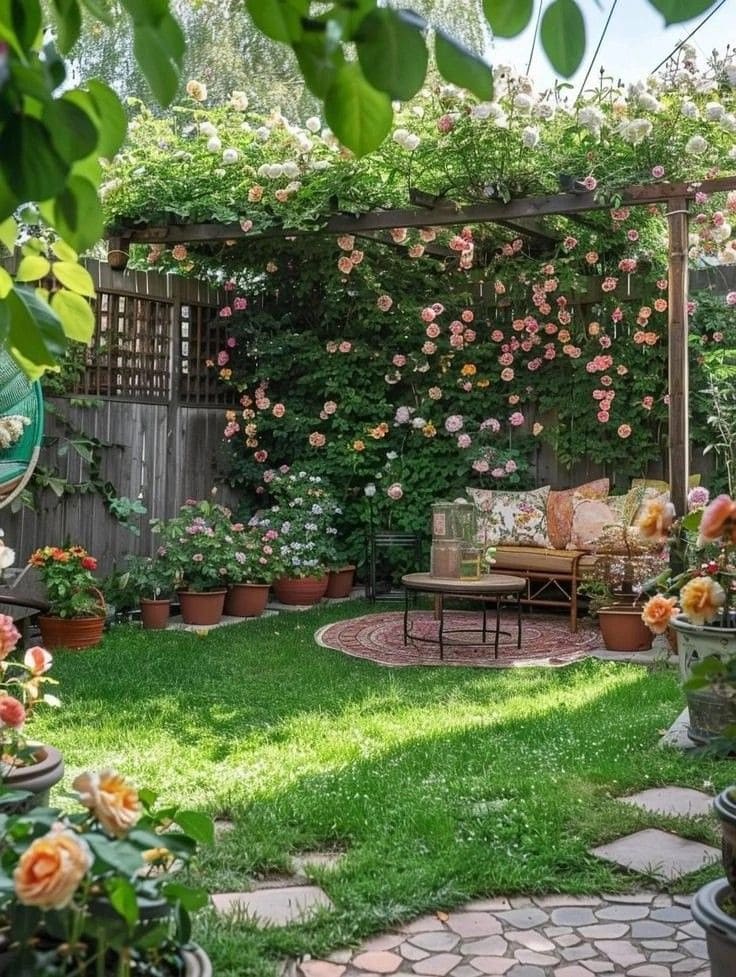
(70, 586)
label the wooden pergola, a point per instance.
(522, 215)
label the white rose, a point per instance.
(689, 109)
(721, 233)
(263, 133)
(481, 111)
(728, 122)
(649, 102)
(696, 146)
(412, 141)
(313, 124)
(274, 171)
(214, 144)
(207, 129)
(529, 137)
(523, 102)
(714, 111)
(7, 557)
(290, 169)
(262, 170)
(399, 136)
(230, 156)
(238, 101)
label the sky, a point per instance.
(635, 42)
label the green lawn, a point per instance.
(439, 784)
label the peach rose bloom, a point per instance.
(50, 869)
(716, 516)
(701, 599)
(656, 519)
(38, 660)
(658, 612)
(110, 798)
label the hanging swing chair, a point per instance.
(22, 397)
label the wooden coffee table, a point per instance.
(488, 589)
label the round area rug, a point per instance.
(545, 640)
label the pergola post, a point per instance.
(679, 440)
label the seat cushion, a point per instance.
(534, 559)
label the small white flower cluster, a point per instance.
(407, 140)
(11, 429)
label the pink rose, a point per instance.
(516, 419)
(9, 635)
(12, 712)
(38, 660)
(395, 491)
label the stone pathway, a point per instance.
(643, 935)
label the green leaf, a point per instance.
(29, 161)
(35, 335)
(99, 11)
(31, 268)
(563, 36)
(158, 50)
(73, 132)
(63, 251)
(461, 67)
(6, 283)
(358, 115)
(25, 16)
(318, 63)
(281, 20)
(508, 17)
(191, 899)
(675, 11)
(74, 277)
(147, 797)
(111, 118)
(392, 52)
(68, 23)
(197, 825)
(123, 899)
(75, 315)
(8, 233)
(118, 855)
(76, 213)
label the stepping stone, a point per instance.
(491, 946)
(492, 965)
(657, 852)
(315, 859)
(177, 624)
(473, 924)
(530, 940)
(676, 736)
(525, 919)
(378, 961)
(438, 964)
(649, 929)
(274, 907)
(573, 916)
(321, 968)
(621, 952)
(436, 942)
(623, 913)
(673, 801)
(387, 941)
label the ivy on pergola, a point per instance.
(523, 215)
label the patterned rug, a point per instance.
(545, 640)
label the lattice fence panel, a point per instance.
(203, 336)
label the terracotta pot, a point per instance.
(300, 590)
(154, 613)
(201, 607)
(70, 632)
(340, 582)
(719, 926)
(38, 778)
(246, 599)
(622, 629)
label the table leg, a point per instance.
(498, 626)
(518, 620)
(440, 607)
(406, 616)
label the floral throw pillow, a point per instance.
(512, 518)
(589, 519)
(560, 509)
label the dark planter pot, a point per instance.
(300, 590)
(38, 778)
(340, 582)
(202, 607)
(70, 632)
(719, 926)
(154, 613)
(710, 713)
(622, 629)
(196, 962)
(725, 807)
(246, 599)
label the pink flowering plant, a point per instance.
(22, 691)
(256, 557)
(199, 544)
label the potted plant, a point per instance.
(153, 579)
(252, 567)
(32, 768)
(198, 545)
(92, 892)
(303, 517)
(697, 603)
(624, 561)
(77, 610)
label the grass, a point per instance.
(439, 785)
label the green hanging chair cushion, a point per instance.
(19, 395)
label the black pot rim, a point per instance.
(706, 910)
(725, 805)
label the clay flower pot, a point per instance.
(340, 582)
(154, 613)
(246, 599)
(622, 629)
(70, 632)
(202, 607)
(38, 778)
(300, 590)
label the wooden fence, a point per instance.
(161, 412)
